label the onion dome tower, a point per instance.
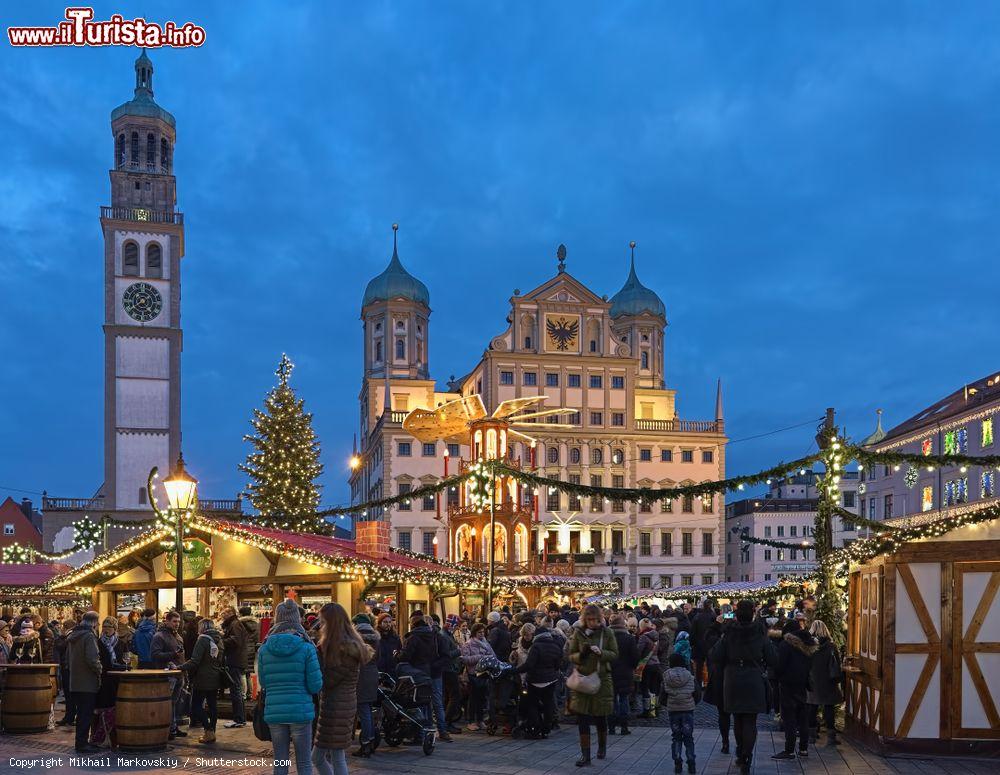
(396, 310)
(638, 318)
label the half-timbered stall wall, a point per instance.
(923, 651)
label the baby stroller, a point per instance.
(504, 693)
(406, 709)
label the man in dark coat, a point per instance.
(543, 670)
(699, 626)
(498, 636)
(234, 643)
(447, 653)
(166, 649)
(142, 639)
(388, 644)
(742, 653)
(795, 655)
(253, 640)
(622, 673)
(85, 676)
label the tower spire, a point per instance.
(718, 402)
(395, 231)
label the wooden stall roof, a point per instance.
(563, 582)
(335, 554)
(30, 575)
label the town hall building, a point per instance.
(601, 358)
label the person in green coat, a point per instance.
(205, 668)
(593, 647)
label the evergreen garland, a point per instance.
(284, 464)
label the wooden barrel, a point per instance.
(54, 682)
(27, 699)
(143, 711)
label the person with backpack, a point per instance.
(205, 670)
(678, 685)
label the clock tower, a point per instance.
(143, 246)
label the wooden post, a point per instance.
(151, 599)
(402, 609)
(277, 595)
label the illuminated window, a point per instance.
(706, 504)
(962, 440)
(956, 491)
(987, 437)
(987, 484)
(926, 447)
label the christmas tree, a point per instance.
(284, 464)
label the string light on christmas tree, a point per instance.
(284, 464)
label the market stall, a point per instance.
(229, 563)
(923, 650)
(27, 586)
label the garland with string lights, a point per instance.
(649, 494)
(749, 539)
(890, 542)
(868, 457)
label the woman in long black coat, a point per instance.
(825, 676)
(714, 688)
(742, 653)
(622, 673)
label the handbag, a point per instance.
(261, 730)
(637, 673)
(584, 684)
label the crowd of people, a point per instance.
(318, 672)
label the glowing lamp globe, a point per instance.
(180, 487)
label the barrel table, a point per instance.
(27, 699)
(144, 710)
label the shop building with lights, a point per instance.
(787, 514)
(143, 235)
(962, 422)
(603, 360)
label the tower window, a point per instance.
(527, 343)
(593, 345)
(120, 151)
(134, 150)
(154, 260)
(150, 152)
(164, 155)
(130, 259)
(645, 359)
(378, 351)
(400, 349)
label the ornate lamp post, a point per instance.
(181, 489)
(613, 565)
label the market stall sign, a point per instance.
(197, 559)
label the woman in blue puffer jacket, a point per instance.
(289, 674)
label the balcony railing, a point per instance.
(135, 166)
(143, 215)
(71, 504)
(221, 504)
(678, 426)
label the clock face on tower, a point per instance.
(142, 302)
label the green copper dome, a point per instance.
(394, 283)
(635, 298)
(142, 103)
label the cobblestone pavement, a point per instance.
(645, 752)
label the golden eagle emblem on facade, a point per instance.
(562, 333)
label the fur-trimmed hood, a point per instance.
(803, 642)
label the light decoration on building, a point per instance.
(910, 477)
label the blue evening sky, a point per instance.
(813, 188)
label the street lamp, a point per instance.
(181, 488)
(613, 565)
(355, 462)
